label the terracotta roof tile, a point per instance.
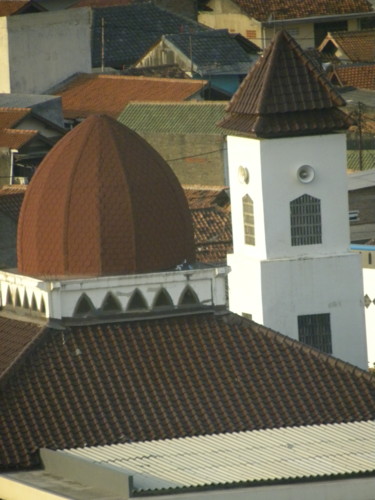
(354, 75)
(132, 218)
(172, 377)
(290, 9)
(15, 138)
(284, 94)
(206, 196)
(90, 94)
(10, 7)
(10, 117)
(11, 198)
(358, 46)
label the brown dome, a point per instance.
(103, 202)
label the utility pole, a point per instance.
(360, 151)
(102, 55)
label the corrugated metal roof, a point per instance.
(175, 118)
(272, 454)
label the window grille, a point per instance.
(315, 330)
(248, 219)
(305, 221)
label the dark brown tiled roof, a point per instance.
(358, 46)
(354, 75)
(10, 7)
(15, 138)
(15, 338)
(103, 202)
(285, 95)
(213, 234)
(292, 9)
(89, 94)
(165, 378)
(11, 198)
(206, 196)
(10, 117)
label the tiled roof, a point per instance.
(132, 218)
(11, 198)
(88, 94)
(181, 376)
(164, 71)
(262, 10)
(223, 459)
(130, 31)
(284, 95)
(15, 138)
(10, 117)
(354, 75)
(212, 51)
(212, 233)
(358, 46)
(102, 3)
(192, 117)
(10, 7)
(206, 196)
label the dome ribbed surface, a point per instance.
(103, 202)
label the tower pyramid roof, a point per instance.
(285, 94)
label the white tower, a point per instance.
(292, 269)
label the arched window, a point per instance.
(188, 297)
(34, 306)
(305, 221)
(248, 220)
(42, 306)
(9, 299)
(18, 299)
(111, 304)
(162, 299)
(84, 306)
(137, 302)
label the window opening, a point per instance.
(305, 221)
(84, 306)
(111, 304)
(188, 297)
(315, 330)
(137, 302)
(18, 299)
(248, 219)
(163, 299)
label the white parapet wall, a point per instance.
(40, 50)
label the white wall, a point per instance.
(273, 165)
(369, 290)
(44, 49)
(4, 56)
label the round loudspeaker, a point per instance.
(305, 174)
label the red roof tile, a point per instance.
(284, 95)
(165, 378)
(103, 202)
(15, 138)
(90, 94)
(10, 117)
(10, 7)
(354, 75)
(262, 10)
(11, 198)
(358, 46)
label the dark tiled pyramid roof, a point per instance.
(103, 202)
(11, 199)
(284, 94)
(292, 9)
(164, 378)
(131, 30)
